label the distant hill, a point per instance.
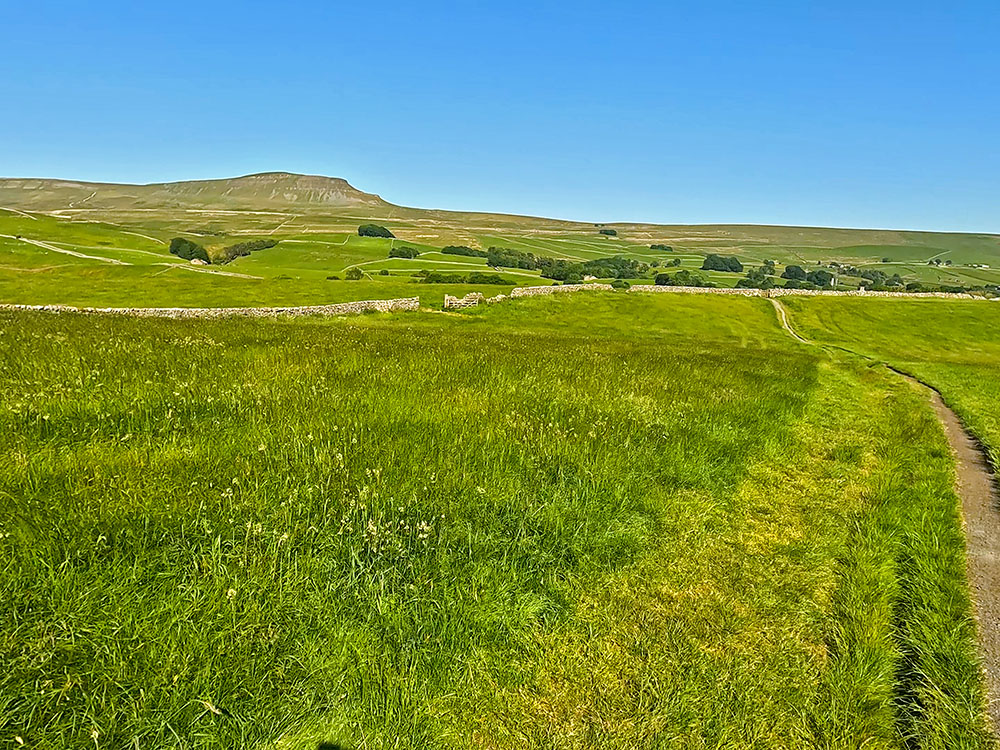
(315, 203)
(268, 190)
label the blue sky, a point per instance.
(882, 114)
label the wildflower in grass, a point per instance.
(231, 593)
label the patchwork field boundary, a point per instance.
(340, 308)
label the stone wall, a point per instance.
(472, 299)
(697, 290)
(535, 291)
(342, 308)
(795, 292)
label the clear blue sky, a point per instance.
(883, 113)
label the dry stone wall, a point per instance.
(535, 291)
(794, 292)
(342, 308)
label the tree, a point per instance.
(464, 250)
(188, 250)
(722, 263)
(242, 249)
(403, 251)
(819, 277)
(681, 278)
(661, 246)
(756, 278)
(796, 273)
(353, 274)
(609, 232)
(374, 230)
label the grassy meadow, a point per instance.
(953, 346)
(107, 245)
(646, 521)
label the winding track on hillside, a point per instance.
(977, 490)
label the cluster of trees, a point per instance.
(436, 277)
(819, 277)
(374, 230)
(242, 249)
(188, 250)
(670, 263)
(506, 257)
(681, 278)
(664, 248)
(561, 269)
(757, 278)
(609, 232)
(722, 263)
(403, 251)
(469, 252)
(938, 262)
(601, 268)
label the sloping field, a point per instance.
(90, 244)
(615, 520)
(952, 346)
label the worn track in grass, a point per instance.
(977, 489)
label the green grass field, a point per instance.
(610, 520)
(66, 243)
(952, 346)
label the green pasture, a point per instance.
(608, 520)
(952, 345)
(124, 252)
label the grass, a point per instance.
(317, 241)
(625, 521)
(953, 346)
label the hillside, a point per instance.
(265, 191)
(89, 243)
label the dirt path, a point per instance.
(980, 502)
(977, 489)
(783, 319)
(64, 251)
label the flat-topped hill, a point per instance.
(265, 191)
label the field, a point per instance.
(954, 347)
(107, 245)
(610, 520)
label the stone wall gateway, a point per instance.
(472, 299)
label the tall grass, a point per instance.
(608, 521)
